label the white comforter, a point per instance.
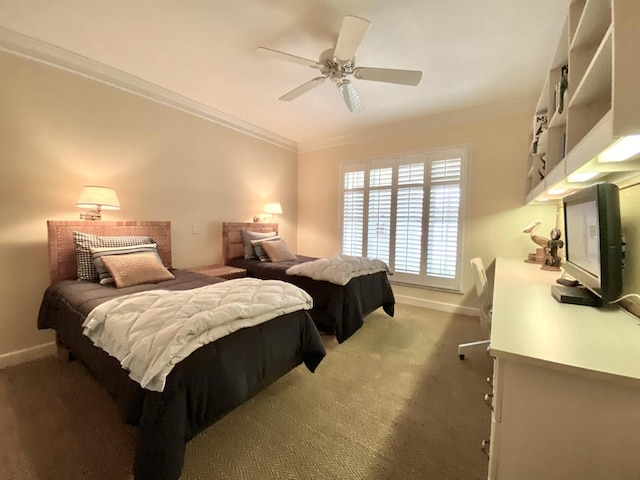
(338, 269)
(149, 332)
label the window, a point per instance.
(407, 212)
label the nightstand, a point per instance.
(222, 271)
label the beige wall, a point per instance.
(494, 213)
(60, 131)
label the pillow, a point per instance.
(257, 248)
(278, 251)
(136, 269)
(104, 276)
(247, 236)
(84, 242)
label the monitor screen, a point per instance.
(582, 233)
(593, 239)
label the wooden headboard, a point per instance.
(232, 246)
(62, 251)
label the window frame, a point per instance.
(421, 280)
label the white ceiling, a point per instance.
(472, 53)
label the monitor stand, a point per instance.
(575, 295)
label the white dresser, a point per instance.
(566, 384)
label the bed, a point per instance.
(339, 310)
(201, 388)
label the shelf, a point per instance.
(575, 15)
(542, 143)
(559, 119)
(561, 56)
(595, 86)
(601, 104)
(530, 172)
(593, 23)
(556, 175)
(597, 139)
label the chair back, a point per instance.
(482, 287)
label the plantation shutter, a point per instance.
(353, 211)
(444, 209)
(406, 211)
(379, 218)
(409, 218)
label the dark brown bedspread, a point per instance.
(338, 309)
(200, 389)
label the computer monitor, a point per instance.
(593, 242)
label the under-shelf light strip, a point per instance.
(622, 150)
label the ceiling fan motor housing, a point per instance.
(335, 70)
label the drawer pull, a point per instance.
(485, 447)
(488, 399)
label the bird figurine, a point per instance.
(542, 242)
(547, 251)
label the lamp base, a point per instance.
(263, 217)
(91, 215)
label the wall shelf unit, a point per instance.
(591, 99)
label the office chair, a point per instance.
(482, 288)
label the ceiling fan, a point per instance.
(338, 63)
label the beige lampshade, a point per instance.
(93, 196)
(273, 208)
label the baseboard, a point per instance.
(441, 306)
(27, 354)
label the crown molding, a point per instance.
(43, 52)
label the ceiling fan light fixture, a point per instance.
(349, 95)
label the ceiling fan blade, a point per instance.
(351, 34)
(349, 95)
(269, 53)
(304, 88)
(389, 75)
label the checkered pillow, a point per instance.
(84, 242)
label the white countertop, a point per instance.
(530, 325)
